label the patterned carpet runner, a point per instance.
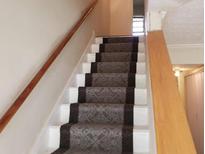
(101, 122)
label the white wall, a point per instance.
(29, 31)
(121, 17)
(186, 53)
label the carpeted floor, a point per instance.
(101, 122)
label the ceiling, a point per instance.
(157, 5)
(184, 25)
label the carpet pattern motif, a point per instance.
(101, 122)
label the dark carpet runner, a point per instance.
(102, 120)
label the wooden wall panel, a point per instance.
(172, 130)
(194, 84)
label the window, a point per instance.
(138, 26)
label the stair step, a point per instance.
(93, 152)
(113, 95)
(114, 67)
(116, 57)
(140, 95)
(119, 47)
(140, 113)
(111, 80)
(123, 47)
(100, 40)
(141, 137)
(120, 40)
(49, 151)
(96, 136)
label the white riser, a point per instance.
(140, 97)
(95, 48)
(99, 40)
(140, 69)
(140, 81)
(91, 57)
(140, 139)
(141, 115)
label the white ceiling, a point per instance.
(157, 5)
(184, 25)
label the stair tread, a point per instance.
(77, 151)
(116, 57)
(113, 67)
(106, 94)
(98, 126)
(118, 53)
(119, 47)
(102, 104)
(97, 137)
(110, 80)
(120, 39)
(113, 74)
(120, 62)
(101, 113)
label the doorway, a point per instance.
(138, 18)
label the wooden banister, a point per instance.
(22, 97)
(173, 135)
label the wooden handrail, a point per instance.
(173, 135)
(22, 97)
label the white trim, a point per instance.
(152, 141)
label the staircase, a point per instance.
(107, 111)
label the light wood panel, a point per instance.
(172, 130)
(121, 13)
(194, 91)
(23, 96)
